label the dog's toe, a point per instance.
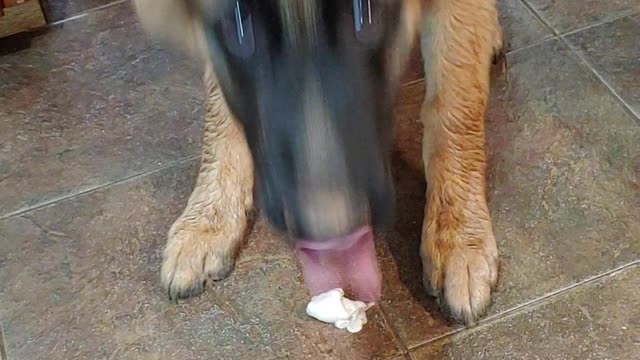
(190, 259)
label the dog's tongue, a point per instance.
(349, 263)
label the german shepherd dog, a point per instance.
(299, 103)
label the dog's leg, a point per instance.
(203, 241)
(458, 248)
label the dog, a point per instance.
(300, 96)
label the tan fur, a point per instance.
(458, 247)
(204, 240)
(411, 19)
(172, 21)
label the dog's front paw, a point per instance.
(194, 255)
(461, 272)
(464, 282)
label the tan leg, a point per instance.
(458, 248)
(204, 240)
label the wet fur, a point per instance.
(460, 258)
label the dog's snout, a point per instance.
(318, 135)
(327, 214)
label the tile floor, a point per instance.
(99, 143)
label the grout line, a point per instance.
(506, 53)
(601, 22)
(554, 34)
(539, 17)
(563, 38)
(3, 346)
(531, 304)
(557, 34)
(635, 115)
(96, 188)
(87, 12)
(404, 350)
(262, 259)
(533, 44)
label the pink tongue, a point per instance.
(349, 263)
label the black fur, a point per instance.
(265, 84)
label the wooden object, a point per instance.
(18, 16)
